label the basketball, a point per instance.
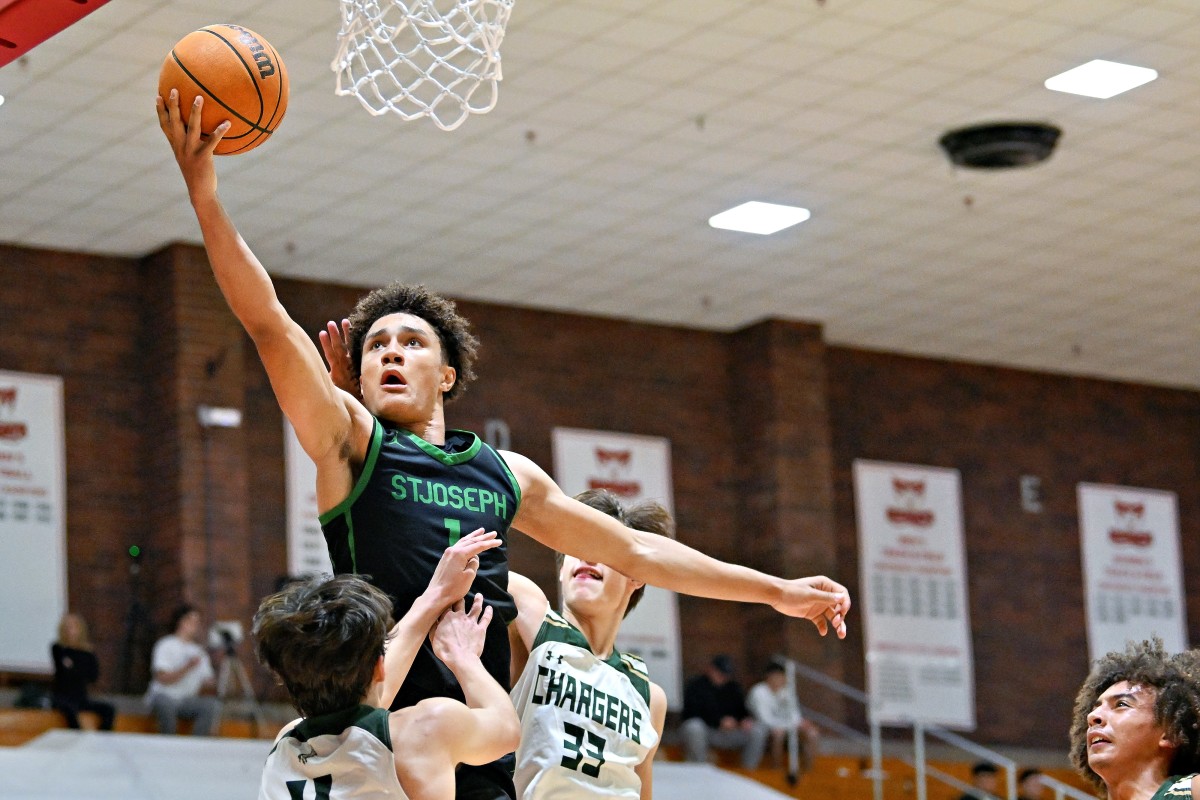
(241, 77)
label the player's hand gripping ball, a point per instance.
(241, 77)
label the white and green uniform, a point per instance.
(585, 721)
(1175, 788)
(346, 754)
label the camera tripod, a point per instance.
(232, 669)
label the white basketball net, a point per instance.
(422, 58)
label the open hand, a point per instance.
(335, 344)
(456, 570)
(818, 599)
(459, 633)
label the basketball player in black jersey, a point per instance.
(394, 486)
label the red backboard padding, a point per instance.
(24, 24)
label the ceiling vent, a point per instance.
(1000, 145)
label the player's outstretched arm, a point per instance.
(488, 728)
(451, 579)
(658, 716)
(532, 606)
(568, 526)
(320, 414)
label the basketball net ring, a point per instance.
(422, 58)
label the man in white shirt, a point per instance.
(771, 703)
(183, 677)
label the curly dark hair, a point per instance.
(646, 516)
(322, 636)
(459, 345)
(1175, 680)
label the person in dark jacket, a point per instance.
(715, 715)
(75, 666)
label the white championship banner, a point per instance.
(306, 550)
(920, 664)
(33, 563)
(633, 468)
(1132, 574)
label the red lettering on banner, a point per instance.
(1129, 509)
(622, 457)
(1135, 538)
(13, 431)
(908, 492)
(8, 396)
(619, 488)
(904, 516)
(34, 491)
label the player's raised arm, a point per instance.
(568, 526)
(492, 728)
(532, 606)
(658, 716)
(320, 413)
(452, 578)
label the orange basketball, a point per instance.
(242, 78)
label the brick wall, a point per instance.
(995, 425)
(81, 317)
(764, 424)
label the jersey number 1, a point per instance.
(323, 784)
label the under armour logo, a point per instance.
(306, 753)
(550, 656)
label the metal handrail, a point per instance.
(1062, 790)
(920, 731)
(874, 737)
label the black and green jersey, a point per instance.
(412, 500)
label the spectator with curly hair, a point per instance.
(1136, 728)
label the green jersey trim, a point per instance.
(1175, 786)
(367, 717)
(512, 478)
(363, 479)
(372, 720)
(556, 628)
(449, 459)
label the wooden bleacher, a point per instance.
(843, 777)
(19, 725)
(833, 777)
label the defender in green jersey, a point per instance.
(411, 353)
(591, 720)
(327, 640)
(1136, 728)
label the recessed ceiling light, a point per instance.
(1, 99)
(756, 217)
(1100, 78)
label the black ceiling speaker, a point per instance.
(1000, 145)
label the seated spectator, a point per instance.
(75, 666)
(985, 778)
(715, 715)
(772, 704)
(1029, 785)
(183, 682)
